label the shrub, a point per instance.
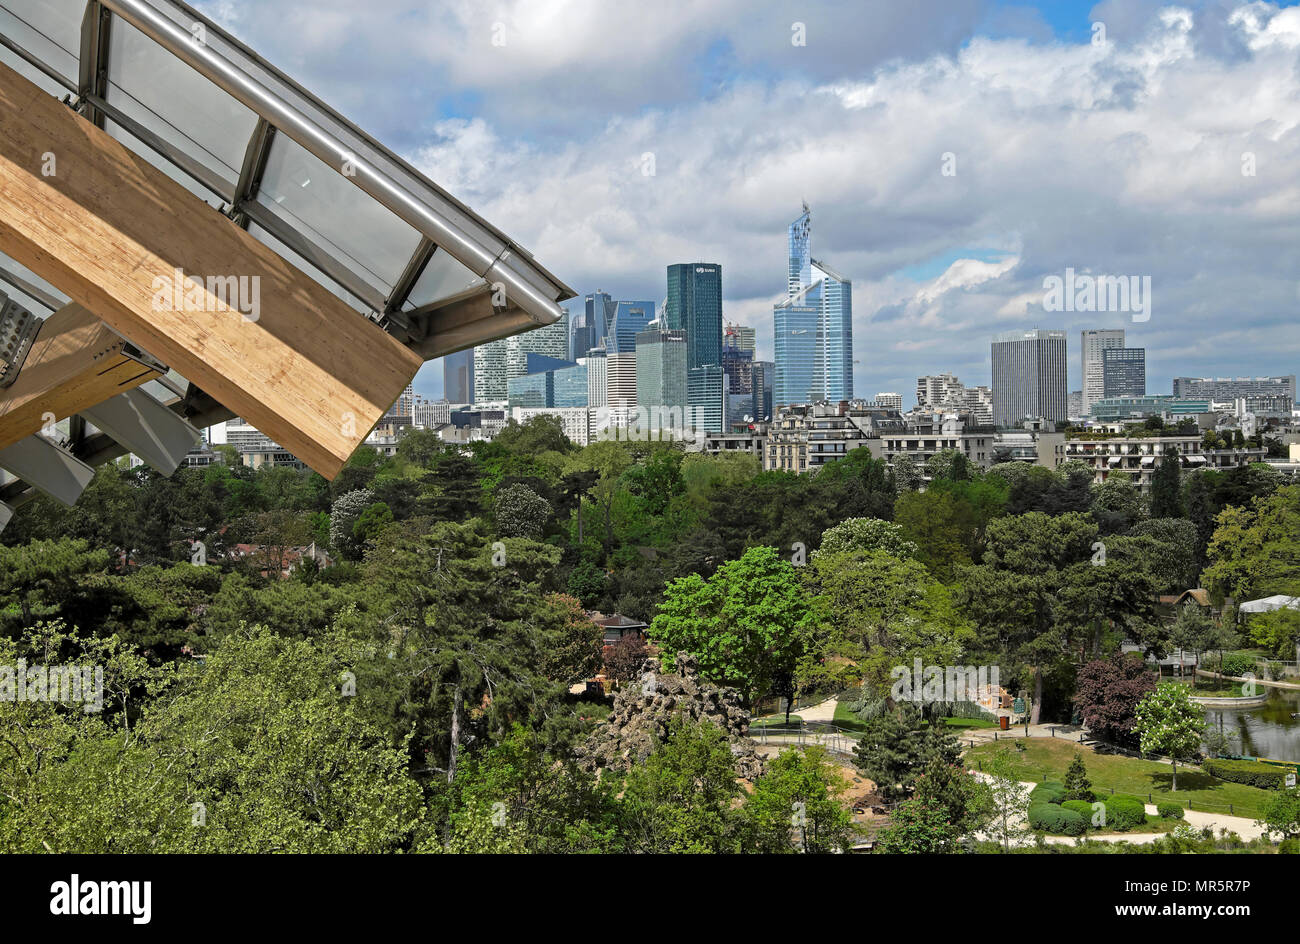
(1169, 810)
(1236, 664)
(1252, 773)
(1082, 807)
(1049, 791)
(1289, 847)
(1051, 818)
(1124, 812)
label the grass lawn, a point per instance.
(774, 721)
(1047, 759)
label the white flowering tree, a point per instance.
(1170, 723)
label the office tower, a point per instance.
(1076, 405)
(892, 401)
(620, 381)
(1029, 377)
(813, 326)
(1091, 345)
(694, 305)
(560, 385)
(592, 325)
(738, 365)
(1231, 388)
(661, 370)
(741, 337)
(458, 376)
(549, 340)
(706, 389)
(1124, 372)
(629, 320)
(404, 405)
(490, 374)
(764, 380)
(597, 381)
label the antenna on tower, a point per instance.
(805, 206)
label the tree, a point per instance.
(745, 624)
(1192, 630)
(796, 805)
(521, 512)
(682, 799)
(896, 747)
(1168, 722)
(344, 513)
(866, 534)
(1166, 486)
(1277, 630)
(1009, 824)
(1077, 784)
(624, 659)
(1256, 551)
(965, 802)
(570, 642)
(1282, 815)
(916, 828)
(907, 477)
(1117, 504)
(949, 464)
(1108, 692)
(371, 522)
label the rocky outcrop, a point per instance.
(644, 707)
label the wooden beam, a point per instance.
(76, 362)
(111, 231)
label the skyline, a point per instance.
(1124, 158)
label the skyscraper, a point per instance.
(661, 371)
(629, 320)
(740, 337)
(490, 374)
(1029, 377)
(1124, 372)
(592, 324)
(550, 340)
(694, 305)
(813, 326)
(458, 376)
(1091, 344)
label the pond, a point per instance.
(1267, 731)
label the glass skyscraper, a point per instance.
(1124, 372)
(661, 369)
(812, 327)
(630, 319)
(694, 305)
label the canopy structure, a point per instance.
(247, 249)
(1278, 601)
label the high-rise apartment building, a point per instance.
(812, 326)
(1092, 343)
(892, 401)
(1124, 372)
(1029, 377)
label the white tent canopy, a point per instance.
(1268, 604)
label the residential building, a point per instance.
(577, 421)
(925, 434)
(1124, 372)
(1092, 344)
(804, 437)
(892, 401)
(1029, 377)
(750, 442)
(1139, 456)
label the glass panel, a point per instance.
(441, 278)
(212, 199)
(334, 213)
(176, 103)
(49, 29)
(295, 259)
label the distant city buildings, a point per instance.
(945, 393)
(893, 401)
(1230, 388)
(1029, 377)
(812, 326)
(661, 371)
(458, 376)
(1124, 372)
(740, 337)
(1092, 345)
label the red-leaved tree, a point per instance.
(1107, 694)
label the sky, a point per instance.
(955, 153)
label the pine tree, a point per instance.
(1166, 487)
(1077, 784)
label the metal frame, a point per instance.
(51, 469)
(146, 427)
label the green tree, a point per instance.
(896, 747)
(796, 805)
(521, 512)
(916, 828)
(1077, 784)
(1168, 722)
(1282, 815)
(746, 624)
(1009, 798)
(866, 534)
(1166, 486)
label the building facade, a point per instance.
(1124, 372)
(1029, 377)
(1092, 345)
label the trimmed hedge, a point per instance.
(1082, 807)
(1250, 772)
(1169, 810)
(1049, 791)
(1124, 812)
(1051, 818)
